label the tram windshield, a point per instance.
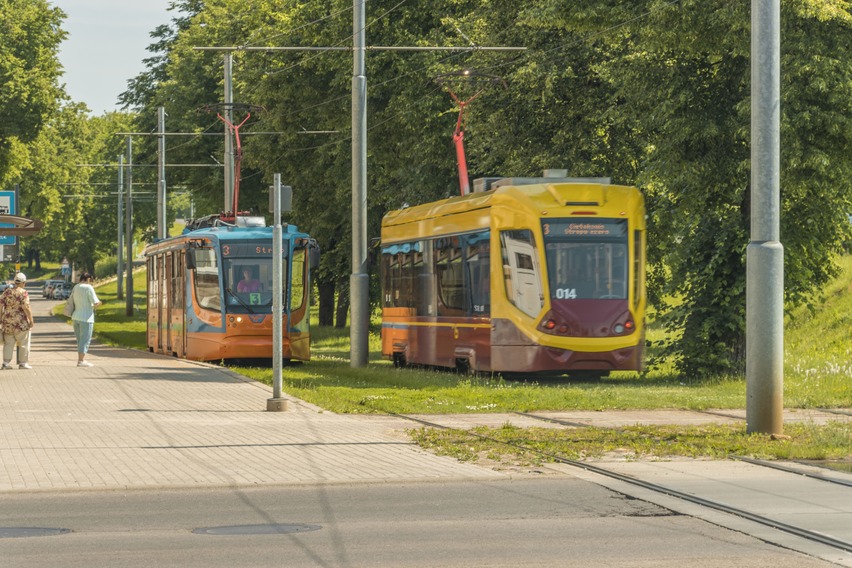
(248, 284)
(586, 258)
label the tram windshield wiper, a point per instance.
(240, 300)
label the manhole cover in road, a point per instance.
(21, 532)
(257, 529)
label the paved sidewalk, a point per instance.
(138, 420)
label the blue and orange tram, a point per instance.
(522, 276)
(210, 293)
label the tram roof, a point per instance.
(533, 194)
(222, 233)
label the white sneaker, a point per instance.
(24, 366)
(84, 364)
(6, 366)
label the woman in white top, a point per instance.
(83, 318)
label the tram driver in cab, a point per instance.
(249, 283)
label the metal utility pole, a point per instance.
(162, 233)
(120, 224)
(128, 227)
(765, 254)
(359, 283)
(229, 145)
(276, 403)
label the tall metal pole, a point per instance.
(276, 403)
(359, 284)
(765, 254)
(128, 228)
(162, 233)
(119, 268)
(229, 144)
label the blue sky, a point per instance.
(107, 41)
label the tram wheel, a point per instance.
(463, 367)
(399, 360)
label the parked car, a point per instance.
(61, 291)
(47, 289)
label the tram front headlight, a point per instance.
(549, 324)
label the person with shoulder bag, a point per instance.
(68, 310)
(84, 300)
(16, 320)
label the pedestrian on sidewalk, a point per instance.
(16, 321)
(83, 318)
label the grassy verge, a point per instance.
(511, 445)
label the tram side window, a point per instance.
(448, 264)
(297, 284)
(177, 280)
(478, 263)
(521, 272)
(638, 266)
(424, 284)
(400, 269)
(152, 284)
(397, 274)
(207, 279)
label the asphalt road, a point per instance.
(556, 522)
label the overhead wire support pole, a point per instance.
(229, 145)
(277, 403)
(765, 253)
(119, 268)
(128, 229)
(359, 283)
(162, 233)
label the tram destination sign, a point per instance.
(251, 249)
(581, 228)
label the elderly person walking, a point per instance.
(16, 320)
(83, 318)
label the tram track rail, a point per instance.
(745, 459)
(809, 535)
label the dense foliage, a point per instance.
(654, 93)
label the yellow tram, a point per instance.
(522, 276)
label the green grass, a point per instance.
(48, 270)
(525, 446)
(818, 347)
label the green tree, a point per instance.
(685, 82)
(30, 35)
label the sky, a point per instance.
(107, 41)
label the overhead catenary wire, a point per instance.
(522, 56)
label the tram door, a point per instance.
(176, 304)
(168, 301)
(164, 272)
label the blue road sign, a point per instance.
(8, 206)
